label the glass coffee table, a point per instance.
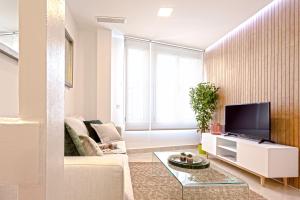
(203, 184)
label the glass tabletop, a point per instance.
(211, 176)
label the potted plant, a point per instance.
(204, 99)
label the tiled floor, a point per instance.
(272, 190)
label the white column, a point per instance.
(41, 90)
(117, 80)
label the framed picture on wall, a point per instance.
(69, 51)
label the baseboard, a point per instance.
(152, 149)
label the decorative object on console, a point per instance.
(91, 148)
(216, 129)
(107, 132)
(204, 98)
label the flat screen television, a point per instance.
(250, 121)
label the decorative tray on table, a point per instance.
(188, 161)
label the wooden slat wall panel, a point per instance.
(260, 62)
(297, 82)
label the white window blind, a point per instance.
(137, 85)
(164, 76)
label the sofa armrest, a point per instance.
(94, 178)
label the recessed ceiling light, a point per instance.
(165, 12)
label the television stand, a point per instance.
(230, 134)
(265, 140)
(265, 160)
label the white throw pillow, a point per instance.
(77, 125)
(107, 132)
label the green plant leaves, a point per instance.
(204, 99)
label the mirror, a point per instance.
(9, 28)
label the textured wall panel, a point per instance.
(259, 62)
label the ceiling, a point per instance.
(194, 23)
(9, 17)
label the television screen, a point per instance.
(249, 120)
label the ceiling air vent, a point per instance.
(116, 20)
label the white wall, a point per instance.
(165, 138)
(86, 95)
(71, 27)
(97, 91)
(81, 100)
(9, 87)
(104, 46)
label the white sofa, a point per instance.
(104, 177)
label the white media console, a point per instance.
(264, 160)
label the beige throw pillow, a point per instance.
(91, 148)
(107, 132)
(77, 125)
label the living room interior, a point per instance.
(149, 100)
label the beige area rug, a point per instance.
(151, 181)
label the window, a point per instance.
(158, 81)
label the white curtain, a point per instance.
(164, 76)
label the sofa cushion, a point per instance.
(76, 140)
(70, 148)
(91, 148)
(107, 132)
(97, 173)
(94, 177)
(92, 132)
(77, 125)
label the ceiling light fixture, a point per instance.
(165, 12)
(116, 20)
